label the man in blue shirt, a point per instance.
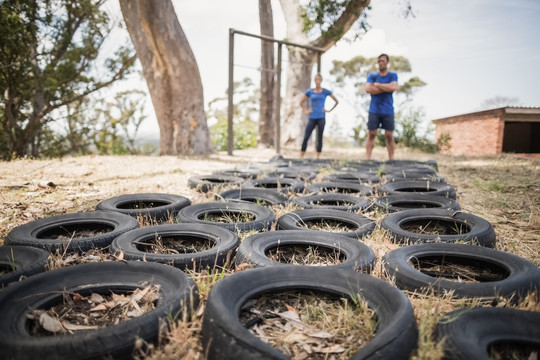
(316, 112)
(381, 85)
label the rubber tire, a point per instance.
(481, 231)
(23, 261)
(284, 185)
(404, 187)
(225, 242)
(417, 170)
(341, 187)
(302, 175)
(241, 173)
(390, 203)
(224, 337)
(363, 225)
(263, 216)
(412, 176)
(253, 249)
(357, 178)
(205, 183)
(255, 195)
(523, 276)
(116, 341)
(357, 203)
(468, 333)
(29, 234)
(171, 205)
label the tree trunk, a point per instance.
(172, 75)
(266, 123)
(301, 62)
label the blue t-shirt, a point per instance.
(382, 103)
(317, 102)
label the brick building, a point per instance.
(491, 132)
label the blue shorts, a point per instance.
(384, 121)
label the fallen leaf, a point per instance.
(294, 336)
(77, 297)
(50, 323)
(96, 298)
(76, 327)
(290, 308)
(335, 349)
(321, 335)
(99, 307)
(120, 299)
(134, 313)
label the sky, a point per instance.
(467, 51)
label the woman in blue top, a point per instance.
(316, 112)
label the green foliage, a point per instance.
(49, 55)
(320, 18)
(407, 124)
(443, 142)
(245, 130)
(98, 126)
(245, 134)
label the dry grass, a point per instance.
(504, 190)
(311, 325)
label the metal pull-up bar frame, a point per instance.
(277, 85)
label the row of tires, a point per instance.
(221, 334)
(467, 333)
(63, 232)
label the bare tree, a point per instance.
(172, 75)
(335, 20)
(266, 123)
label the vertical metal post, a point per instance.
(318, 62)
(230, 133)
(277, 102)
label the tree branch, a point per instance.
(348, 17)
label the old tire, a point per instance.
(399, 202)
(302, 174)
(19, 262)
(332, 201)
(224, 337)
(359, 225)
(255, 195)
(469, 333)
(418, 186)
(514, 276)
(224, 243)
(354, 177)
(341, 187)
(45, 290)
(241, 173)
(262, 217)
(284, 185)
(254, 249)
(160, 207)
(470, 228)
(60, 232)
(406, 176)
(205, 183)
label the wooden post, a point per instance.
(277, 102)
(230, 133)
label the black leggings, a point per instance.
(319, 123)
